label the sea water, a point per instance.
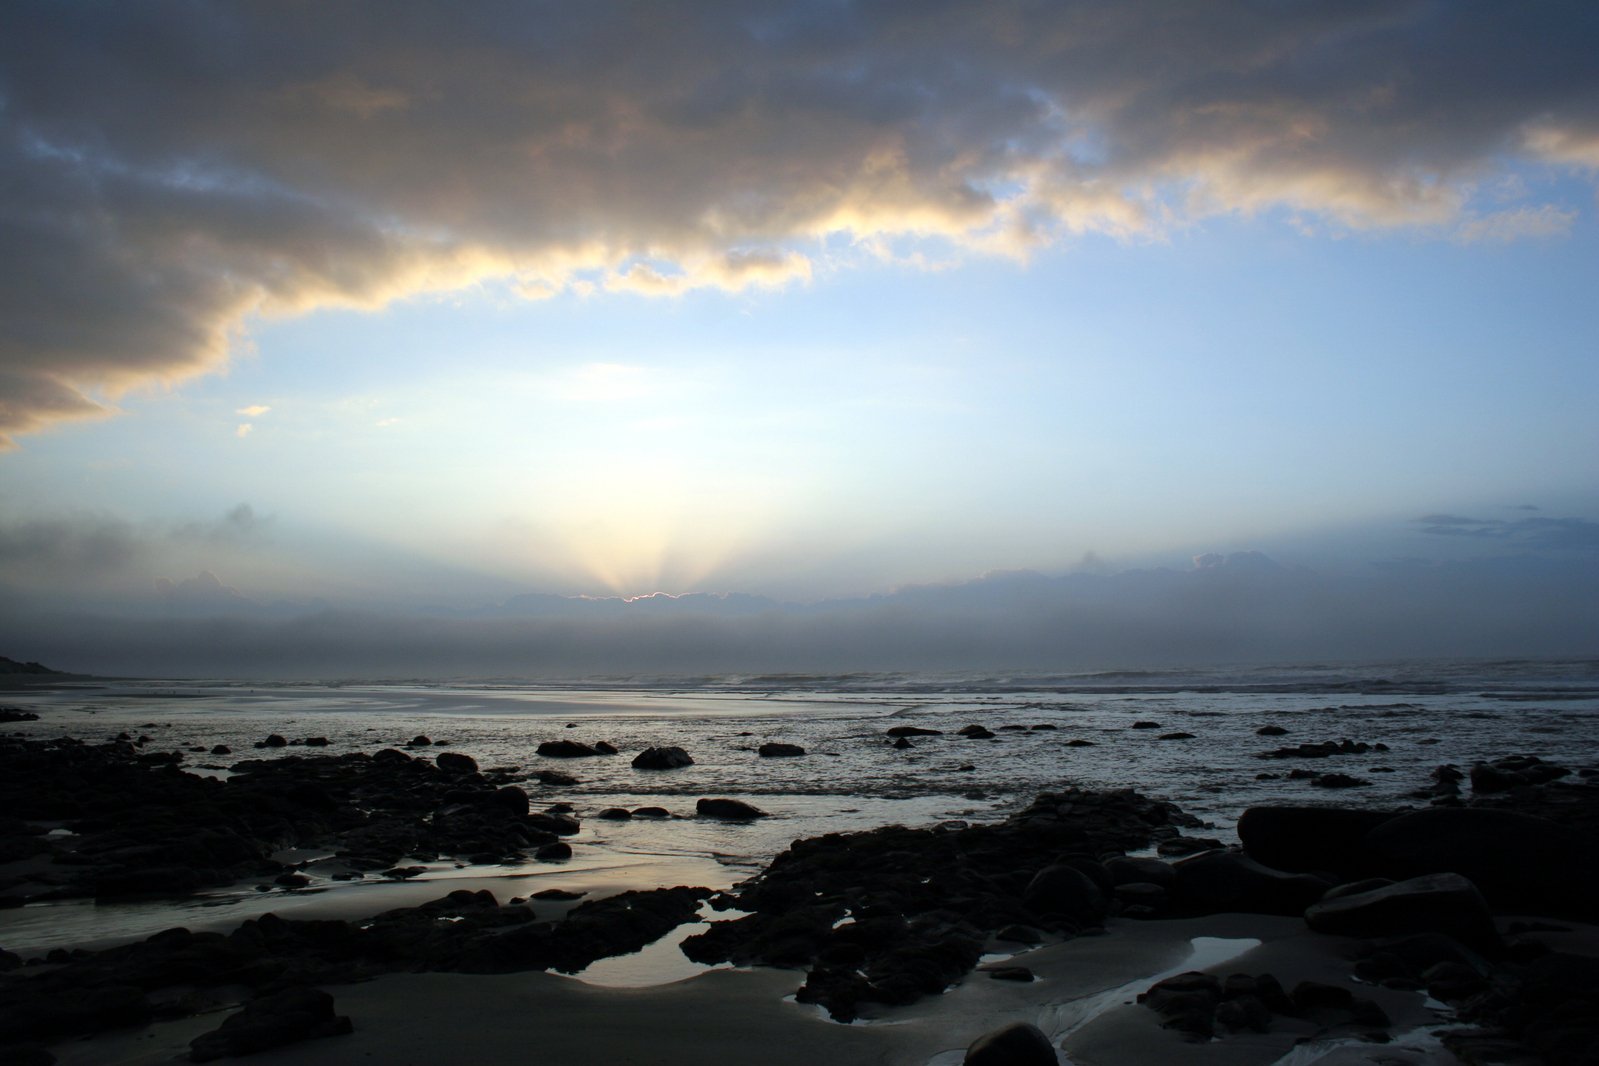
(851, 777)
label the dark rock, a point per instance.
(554, 778)
(662, 758)
(1220, 881)
(1179, 846)
(1017, 1044)
(275, 741)
(728, 809)
(615, 814)
(1124, 870)
(1310, 839)
(1271, 731)
(1010, 973)
(283, 1018)
(566, 749)
(901, 744)
(454, 762)
(651, 812)
(1078, 742)
(1442, 903)
(509, 800)
(1067, 892)
(913, 731)
(975, 732)
(1518, 861)
(553, 822)
(602, 747)
(419, 741)
(775, 750)
(221, 749)
(1338, 781)
(1146, 725)
(1175, 736)
(554, 852)
(1019, 934)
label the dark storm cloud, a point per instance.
(170, 168)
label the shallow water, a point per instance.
(850, 778)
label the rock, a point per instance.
(1437, 903)
(1220, 881)
(453, 762)
(286, 1017)
(1310, 839)
(221, 749)
(1017, 1044)
(1125, 871)
(974, 732)
(605, 748)
(1519, 862)
(275, 741)
(1011, 973)
(419, 741)
(616, 814)
(1066, 892)
(1270, 731)
(554, 852)
(775, 750)
(651, 812)
(316, 742)
(913, 731)
(553, 822)
(1175, 736)
(1179, 846)
(508, 800)
(901, 744)
(1078, 742)
(728, 810)
(566, 749)
(1146, 725)
(662, 758)
(1338, 781)
(554, 778)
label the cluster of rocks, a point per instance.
(1201, 1004)
(1323, 750)
(177, 972)
(16, 714)
(893, 914)
(136, 825)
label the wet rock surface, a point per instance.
(139, 827)
(893, 914)
(83, 992)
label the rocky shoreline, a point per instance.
(1456, 895)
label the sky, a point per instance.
(331, 330)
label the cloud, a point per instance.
(1539, 533)
(255, 410)
(173, 168)
(240, 523)
(244, 430)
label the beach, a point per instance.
(455, 906)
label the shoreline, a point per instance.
(891, 927)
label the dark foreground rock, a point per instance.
(663, 758)
(920, 903)
(730, 810)
(1437, 903)
(286, 1017)
(1017, 1044)
(463, 932)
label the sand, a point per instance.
(1083, 997)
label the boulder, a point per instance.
(508, 800)
(602, 747)
(554, 852)
(776, 750)
(1437, 903)
(975, 732)
(913, 731)
(554, 777)
(1126, 871)
(1016, 1044)
(286, 1017)
(1310, 839)
(616, 814)
(1519, 862)
(566, 749)
(1067, 892)
(421, 740)
(1223, 881)
(728, 810)
(453, 762)
(662, 758)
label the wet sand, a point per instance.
(1083, 997)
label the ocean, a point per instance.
(1423, 715)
